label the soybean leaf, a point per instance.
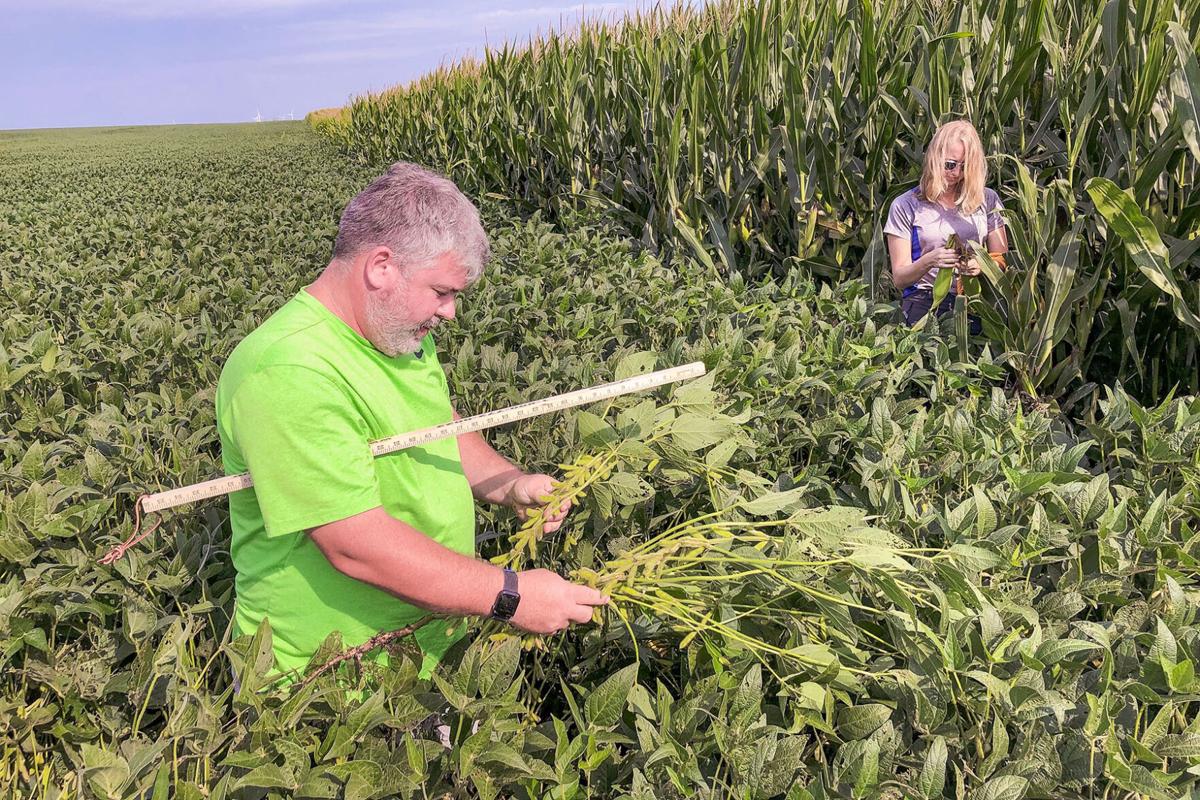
(933, 771)
(773, 502)
(606, 703)
(692, 431)
(859, 722)
(974, 558)
(498, 666)
(696, 392)
(635, 364)
(594, 431)
(268, 776)
(1178, 745)
(1054, 651)
(1003, 787)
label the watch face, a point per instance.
(506, 605)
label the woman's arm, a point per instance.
(997, 236)
(905, 271)
(997, 240)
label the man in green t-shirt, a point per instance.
(330, 538)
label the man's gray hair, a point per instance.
(419, 215)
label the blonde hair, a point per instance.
(974, 168)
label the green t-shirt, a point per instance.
(298, 402)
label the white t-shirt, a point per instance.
(928, 225)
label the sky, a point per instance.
(70, 63)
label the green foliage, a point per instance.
(1018, 618)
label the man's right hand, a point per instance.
(550, 603)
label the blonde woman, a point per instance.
(950, 199)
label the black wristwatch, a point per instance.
(507, 599)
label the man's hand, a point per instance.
(529, 492)
(550, 604)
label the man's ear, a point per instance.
(378, 268)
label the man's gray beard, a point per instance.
(391, 336)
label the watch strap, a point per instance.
(507, 598)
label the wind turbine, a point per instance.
(258, 115)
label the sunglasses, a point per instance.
(951, 164)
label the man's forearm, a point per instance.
(402, 561)
(490, 474)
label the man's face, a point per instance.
(397, 318)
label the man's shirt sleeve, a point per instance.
(306, 447)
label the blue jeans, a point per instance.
(916, 305)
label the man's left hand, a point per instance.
(529, 492)
(970, 268)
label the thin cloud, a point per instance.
(551, 11)
(170, 9)
(348, 55)
(379, 27)
(371, 30)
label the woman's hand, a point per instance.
(529, 492)
(941, 257)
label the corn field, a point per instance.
(772, 137)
